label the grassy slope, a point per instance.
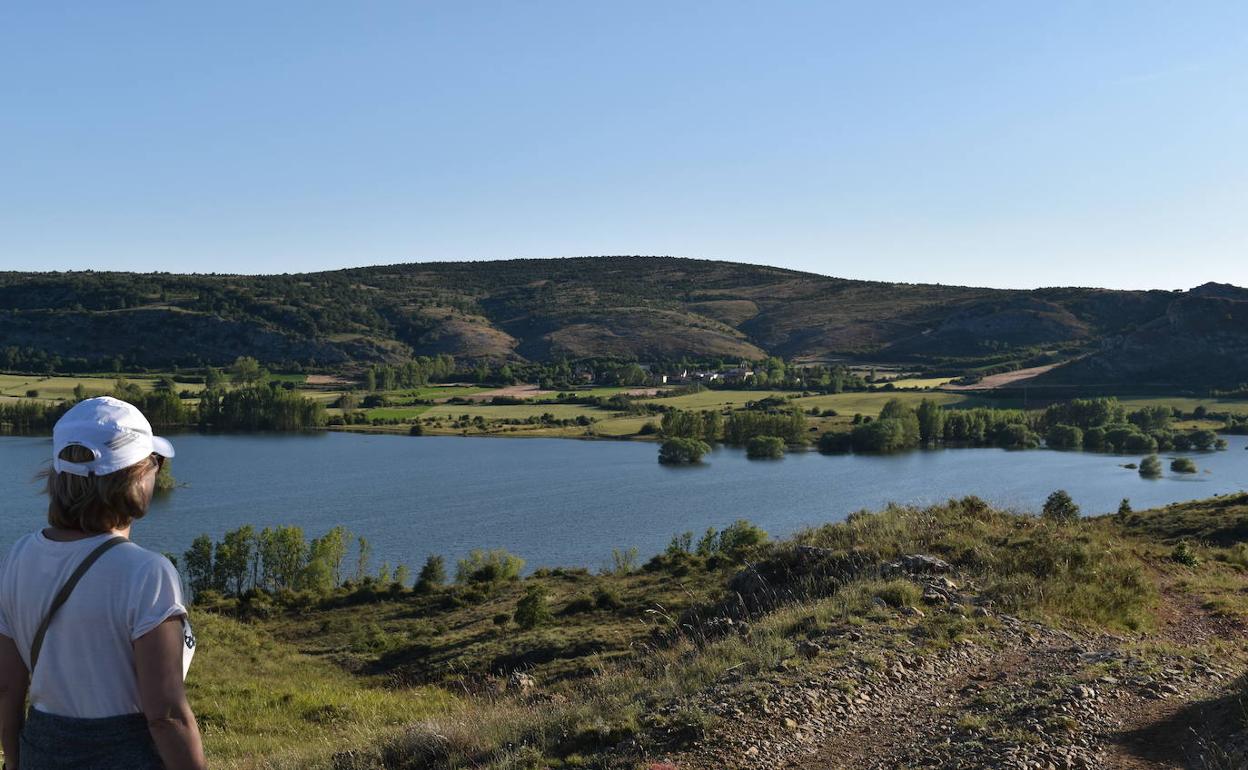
(263, 704)
(602, 677)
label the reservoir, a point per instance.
(560, 502)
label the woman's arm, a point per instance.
(14, 681)
(158, 663)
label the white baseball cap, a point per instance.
(114, 431)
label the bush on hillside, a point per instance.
(1060, 508)
(533, 609)
(493, 566)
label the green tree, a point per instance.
(402, 575)
(326, 554)
(1064, 437)
(765, 447)
(363, 554)
(283, 555)
(678, 451)
(1124, 508)
(233, 558)
(1183, 465)
(432, 574)
(1150, 467)
(198, 561)
(247, 371)
(1203, 439)
(1060, 508)
(931, 421)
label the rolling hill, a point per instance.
(647, 308)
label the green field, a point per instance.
(438, 391)
(56, 387)
(921, 382)
(514, 412)
(870, 404)
(394, 412)
(622, 426)
(845, 403)
(1234, 406)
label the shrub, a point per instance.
(1060, 508)
(648, 429)
(1124, 508)
(1185, 554)
(607, 599)
(1183, 465)
(1150, 467)
(493, 566)
(502, 618)
(623, 560)
(532, 610)
(740, 536)
(32, 394)
(899, 593)
(682, 451)
(765, 448)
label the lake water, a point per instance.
(564, 502)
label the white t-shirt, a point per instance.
(86, 665)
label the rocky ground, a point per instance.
(1015, 694)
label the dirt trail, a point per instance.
(1028, 697)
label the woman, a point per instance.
(92, 625)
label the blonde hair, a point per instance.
(96, 503)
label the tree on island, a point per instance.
(765, 448)
(1183, 465)
(682, 451)
(1150, 467)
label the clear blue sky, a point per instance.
(985, 143)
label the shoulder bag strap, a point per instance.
(64, 593)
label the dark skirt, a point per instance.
(51, 742)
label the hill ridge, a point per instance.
(643, 307)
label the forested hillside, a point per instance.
(649, 308)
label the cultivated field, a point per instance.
(57, 387)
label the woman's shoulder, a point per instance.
(19, 546)
(140, 558)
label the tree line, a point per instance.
(1096, 424)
